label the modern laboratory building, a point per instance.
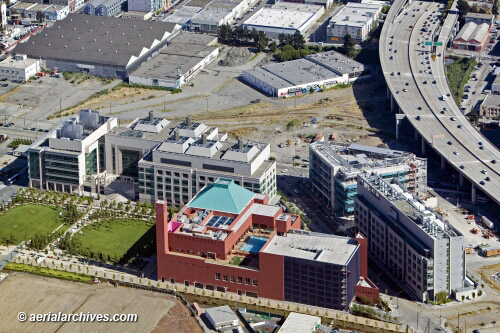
(333, 168)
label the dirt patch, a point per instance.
(486, 272)
(178, 320)
(5, 96)
(123, 94)
(38, 295)
(237, 56)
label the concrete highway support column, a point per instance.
(473, 194)
(388, 94)
(399, 117)
(461, 179)
(443, 163)
(416, 134)
(394, 105)
(423, 146)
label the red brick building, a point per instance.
(229, 239)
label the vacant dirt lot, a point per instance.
(38, 295)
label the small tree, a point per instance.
(348, 47)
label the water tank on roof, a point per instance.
(89, 118)
(72, 130)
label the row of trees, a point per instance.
(241, 35)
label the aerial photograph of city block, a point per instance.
(293, 166)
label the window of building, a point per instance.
(254, 283)
(224, 277)
(247, 281)
(217, 276)
(240, 280)
(232, 278)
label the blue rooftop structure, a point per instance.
(223, 196)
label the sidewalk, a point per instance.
(339, 318)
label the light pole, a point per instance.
(397, 299)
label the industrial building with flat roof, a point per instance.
(51, 12)
(490, 107)
(296, 77)
(19, 68)
(195, 155)
(333, 168)
(472, 37)
(230, 239)
(284, 18)
(178, 63)
(479, 18)
(217, 13)
(299, 323)
(355, 19)
(410, 241)
(101, 46)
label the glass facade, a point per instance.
(102, 157)
(34, 161)
(61, 168)
(91, 162)
(130, 159)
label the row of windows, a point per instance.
(233, 279)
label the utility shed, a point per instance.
(300, 323)
(221, 317)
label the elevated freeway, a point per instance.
(418, 88)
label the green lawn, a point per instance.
(117, 238)
(21, 223)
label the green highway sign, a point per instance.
(434, 43)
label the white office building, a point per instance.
(67, 159)
(355, 19)
(19, 68)
(195, 155)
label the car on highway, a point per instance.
(455, 153)
(449, 143)
(484, 172)
(443, 98)
(459, 126)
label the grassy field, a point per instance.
(54, 273)
(23, 222)
(116, 239)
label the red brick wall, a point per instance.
(272, 272)
(366, 292)
(161, 227)
(363, 252)
(184, 268)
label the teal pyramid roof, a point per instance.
(223, 196)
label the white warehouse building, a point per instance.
(355, 19)
(297, 77)
(284, 18)
(19, 68)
